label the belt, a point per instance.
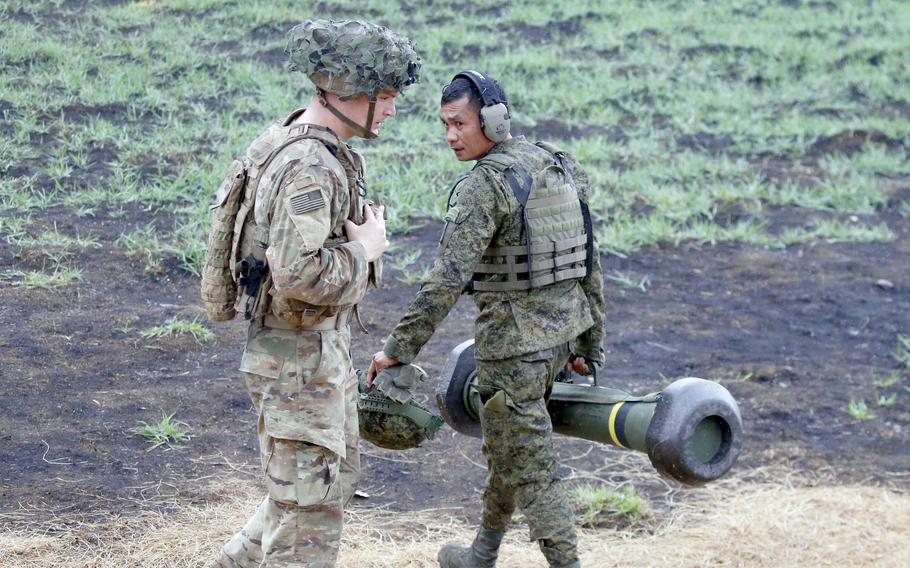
(335, 322)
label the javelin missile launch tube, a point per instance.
(691, 430)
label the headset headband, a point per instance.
(483, 86)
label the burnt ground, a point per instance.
(794, 334)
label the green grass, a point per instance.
(888, 381)
(405, 263)
(176, 327)
(626, 280)
(401, 259)
(887, 400)
(680, 114)
(56, 239)
(414, 276)
(597, 504)
(58, 278)
(743, 376)
(902, 353)
(147, 244)
(14, 229)
(858, 410)
(54, 247)
(166, 432)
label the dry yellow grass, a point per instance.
(732, 524)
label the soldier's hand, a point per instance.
(380, 361)
(579, 365)
(371, 234)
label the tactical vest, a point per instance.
(558, 234)
(235, 276)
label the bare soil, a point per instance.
(794, 334)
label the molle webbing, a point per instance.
(557, 230)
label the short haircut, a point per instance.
(461, 86)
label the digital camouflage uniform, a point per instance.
(297, 359)
(522, 339)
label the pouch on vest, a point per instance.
(219, 289)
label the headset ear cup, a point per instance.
(496, 122)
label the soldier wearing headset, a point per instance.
(518, 237)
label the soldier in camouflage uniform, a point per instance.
(523, 336)
(324, 241)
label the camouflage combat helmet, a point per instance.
(352, 57)
(389, 416)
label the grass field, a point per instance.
(694, 118)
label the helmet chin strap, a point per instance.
(362, 130)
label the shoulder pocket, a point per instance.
(261, 364)
(308, 207)
(454, 217)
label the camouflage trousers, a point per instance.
(305, 391)
(518, 444)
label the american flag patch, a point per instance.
(309, 201)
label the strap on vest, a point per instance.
(589, 234)
(543, 280)
(545, 264)
(539, 248)
(520, 182)
(293, 116)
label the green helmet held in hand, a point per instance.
(352, 57)
(389, 416)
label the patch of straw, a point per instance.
(729, 523)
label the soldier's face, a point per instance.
(385, 108)
(463, 132)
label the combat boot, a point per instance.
(481, 554)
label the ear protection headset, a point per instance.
(494, 115)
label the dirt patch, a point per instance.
(557, 129)
(865, 56)
(270, 31)
(851, 142)
(705, 141)
(715, 48)
(275, 57)
(457, 52)
(534, 34)
(794, 334)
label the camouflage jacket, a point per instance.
(484, 212)
(313, 200)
